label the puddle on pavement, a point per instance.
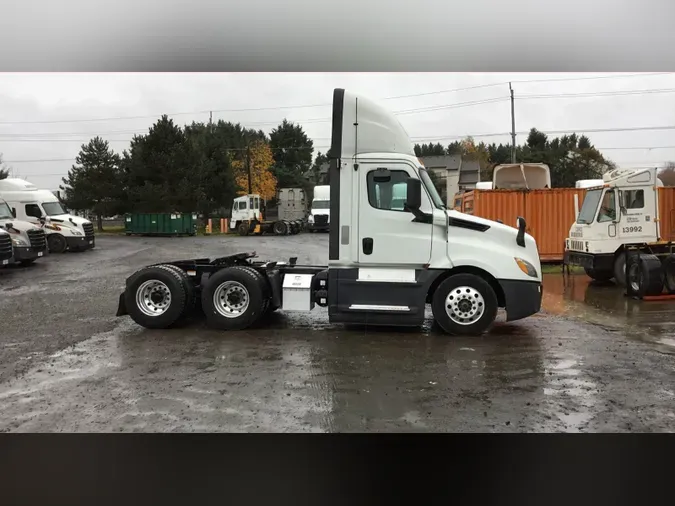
(605, 304)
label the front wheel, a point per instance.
(464, 304)
(56, 243)
(242, 229)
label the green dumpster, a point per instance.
(170, 224)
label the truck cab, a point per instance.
(319, 215)
(623, 211)
(64, 231)
(28, 241)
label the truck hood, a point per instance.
(19, 224)
(68, 219)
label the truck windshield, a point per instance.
(589, 207)
(429, 184)
(5, 211)
(53, 208)
(321, 204)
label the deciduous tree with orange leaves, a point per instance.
(261, 161)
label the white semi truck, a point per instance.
(629, 211)
(319, 215)
(64, 231)
(385, 262)
(28, 241)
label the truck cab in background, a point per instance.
(624, 212)
(28, 241)
(319, 215)
(64, 231)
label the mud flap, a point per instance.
(122, 307)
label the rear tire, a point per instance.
(56, 243)
(188, 286)
(645, 275)
(234, 298)
(464, 304)
(669, 273)
(599, 275)
(155, 297)
(279, 228)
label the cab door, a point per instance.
(388, 234)
(638, 214)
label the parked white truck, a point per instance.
(29, 203)
(248, 217)
(385, 263)
(319, 215)
(28, 241)
(630, 210)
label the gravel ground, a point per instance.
(591, 361)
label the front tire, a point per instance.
(242, 229)
(155, 297)
(464, 304)
(56, 243)
(234, 298)
(620, 269)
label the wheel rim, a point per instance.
(635, 276)
(231, 299)
(464, 305)
(153, 298)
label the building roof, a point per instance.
(446, 162)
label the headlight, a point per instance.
(526, 267)
(76, 232)
(19, 241)
(310, 219)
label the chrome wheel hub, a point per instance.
(231, 299)
(464, 305)
(153, 298)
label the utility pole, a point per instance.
(248, 167)
(513, 128)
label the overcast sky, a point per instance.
(42, 127)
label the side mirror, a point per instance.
(413, 196)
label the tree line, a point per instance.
(200, 167)
(570, 157)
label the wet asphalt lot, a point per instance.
(592, 361)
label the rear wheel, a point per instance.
(464, 304)
(56, 243)
(279, 228)
(234, 298)
(599, 275)
(645, 275)
(188, 286)
(155, 297)
(669, 273)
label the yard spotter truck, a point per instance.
(631, 215)
(386, 262)
(248, 217)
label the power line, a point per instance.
(597, 94)
(304, 106)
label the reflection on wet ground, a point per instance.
(95, 372)
(605, 304)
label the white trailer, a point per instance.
(386, 262)
(621, 215)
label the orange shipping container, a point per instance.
(667, 213)
(548, 213)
